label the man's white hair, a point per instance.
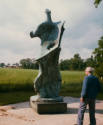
(89, 69)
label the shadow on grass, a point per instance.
(16, 87)
(15, 97)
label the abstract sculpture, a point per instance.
(48, 82)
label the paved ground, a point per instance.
(22, 114)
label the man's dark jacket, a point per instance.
(91, 87)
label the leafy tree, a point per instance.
(64, 64)
(2, 64)
(28, 64)
(98, 56)
(23, 63)
(97, 2)
(90, 62)
(76, 63)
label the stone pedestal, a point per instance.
(49, 107)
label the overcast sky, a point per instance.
(84, 26)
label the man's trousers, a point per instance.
(82, 108)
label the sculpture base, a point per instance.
(49, 107)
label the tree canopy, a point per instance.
(98, 57)
(97, 2)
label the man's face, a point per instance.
(86, 72)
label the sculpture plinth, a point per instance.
(48, 82)
(49, 107)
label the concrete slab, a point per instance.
(49, 107)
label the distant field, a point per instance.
(13, 76)
(22, 79)
(17, 84)
(16, 79)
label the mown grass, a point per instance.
(16, 85)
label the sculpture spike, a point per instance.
(48, 13)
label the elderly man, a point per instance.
(90, 89)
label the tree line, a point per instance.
(76, 63)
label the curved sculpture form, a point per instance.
(48, 82)
(47, 31)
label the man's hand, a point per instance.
(81, 99)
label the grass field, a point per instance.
(17, 84)
(16, 79)
(22, 79)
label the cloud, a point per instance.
(18, 18)
(81, 44)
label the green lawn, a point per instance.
(16, 85)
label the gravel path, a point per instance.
(22, 114)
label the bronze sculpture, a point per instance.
(48, 82)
